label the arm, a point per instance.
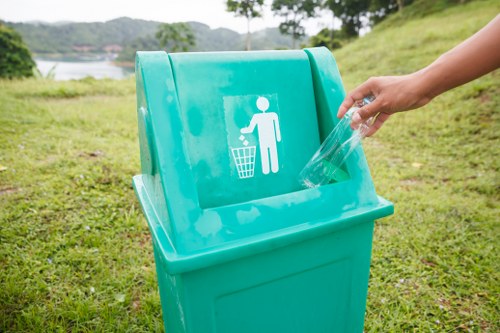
(475, 57)
(250, 128)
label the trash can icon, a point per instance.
(251, 251)
(244, 158)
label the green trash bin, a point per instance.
(239, 245)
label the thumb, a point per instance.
(365, 89)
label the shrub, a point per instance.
(15, 57)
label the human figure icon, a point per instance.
(268, 129)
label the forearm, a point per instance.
(476, 56)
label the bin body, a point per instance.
(248, 250)
(314, 286)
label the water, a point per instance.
(74, 69)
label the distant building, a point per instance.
(83, 48)
(112, 48)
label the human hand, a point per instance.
(392, 94)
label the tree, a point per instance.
(294, 12)
(246, 8)
(15, 58)
(350, 13)
(331, 39)
(175, 37)
(146, 43)
(379, 9)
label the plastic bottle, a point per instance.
(325, 165)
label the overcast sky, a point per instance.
(211, 12)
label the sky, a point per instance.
(210, 12)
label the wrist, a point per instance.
(425, 85)
(437, 77)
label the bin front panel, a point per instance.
(308, 301)
(313, 286)
(250, 122)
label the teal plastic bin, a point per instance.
(239, 245)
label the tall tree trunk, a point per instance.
(332, 32)
(248, 43)
(400, 5)
(294, 31)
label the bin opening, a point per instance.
(250, 122)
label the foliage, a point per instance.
(43, 38)
(15, 58)
(350, 12)
(273, 39)
(148, 43)
(379, 9)
(175, 36)
(332, 39)
(64, 37)
(246, 8)
(294, 13)
(220, 39)
(51, 74)
(357, 14)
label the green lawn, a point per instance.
(75, 251)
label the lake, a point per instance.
(77, 69)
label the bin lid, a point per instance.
(224, 135)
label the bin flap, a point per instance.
(224, 135)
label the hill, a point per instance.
(77, 37)
(114, 35)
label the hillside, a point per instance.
(435, 264)
(99, 37)
(71, 37)
(76, 253)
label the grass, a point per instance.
(435, 264)
(75, 251)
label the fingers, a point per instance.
(379, 121)
(346, 105)
(366, 112)
(363, 90)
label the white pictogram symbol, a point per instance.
(245, 159)
(268, 129)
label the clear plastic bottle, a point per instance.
(325, 165)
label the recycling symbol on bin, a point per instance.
(267, 126)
